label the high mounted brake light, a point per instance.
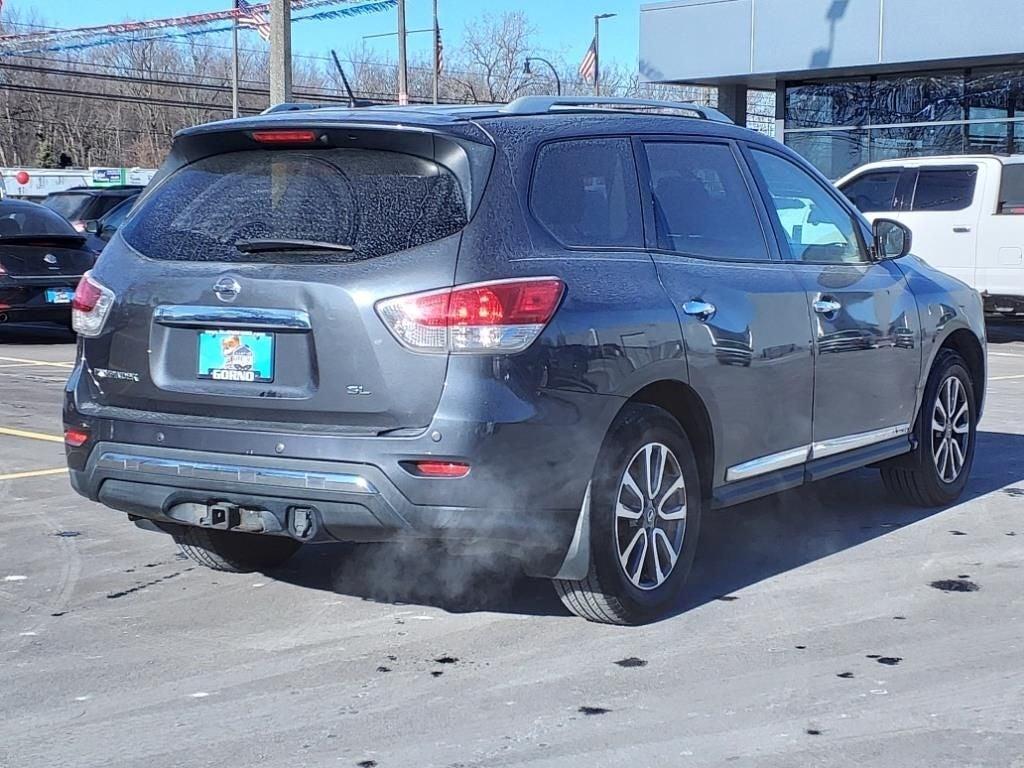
(501, 316)
(285, 137)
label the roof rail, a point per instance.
(539, 105)
(293, 106)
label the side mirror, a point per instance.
(107, 232)
(92, 227)
(892, 239)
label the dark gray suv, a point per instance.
(563, 328)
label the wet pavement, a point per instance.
(824, 627)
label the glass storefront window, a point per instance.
(820, 105)
(917, 99)
(889, 143)
(834, 153)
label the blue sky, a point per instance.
(564, 26)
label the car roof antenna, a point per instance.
(352, 100)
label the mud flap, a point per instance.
(576, 564)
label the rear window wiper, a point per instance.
(270, 244)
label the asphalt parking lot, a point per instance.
(814, 634)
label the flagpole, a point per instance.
(403, 71)
(597, 46)
(437, 55)
(234, 61)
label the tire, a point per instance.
(609, 594)
(232, 551)
(922, 478)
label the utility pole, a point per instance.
(280, 51)
(403, 70)
(437, 55)
(597, 50)
(234, 60)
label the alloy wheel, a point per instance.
(650, 516)
(951, 429)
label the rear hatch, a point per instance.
(37, 245)
(246, 280)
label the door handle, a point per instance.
(702, 310)
(826, 306)
(961, 230)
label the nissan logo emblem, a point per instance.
(50, 258)
(227, 289)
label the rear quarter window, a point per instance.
(585, 193)
(1011, 190)
(375, 201)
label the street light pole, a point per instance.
(597, 49)
(558, 81)
(280, 51)
(234, 61)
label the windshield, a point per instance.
(374, 201)
(70, 206)
(35, 220)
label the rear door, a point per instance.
(943, 212)
(866, 326)
(743, 315)
(1001, 237)
(219, 315)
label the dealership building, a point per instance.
(854, 80)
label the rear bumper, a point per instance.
(523, 492)
(1004, 305)
(27, 303)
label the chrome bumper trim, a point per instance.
(257, 476)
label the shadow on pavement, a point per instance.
(36, 333)
(739, 547)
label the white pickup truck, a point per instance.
(966, 213)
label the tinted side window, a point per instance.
(1011, 192)
(943, 189)
(874, 191)
(816, 226)
(702, 205)
(585, 193)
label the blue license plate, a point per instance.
(236, 356)
(59, 295)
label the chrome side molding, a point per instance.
(819, 450)
(770, 463)
(836, 445)
(232, 317)
(157, 468)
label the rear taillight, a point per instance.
(499, 316)
(2, 270)
(90, 306)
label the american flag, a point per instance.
(248, 16)
(440, 50)
(588, 67)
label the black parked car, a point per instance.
(42, 259)
(567, 328)
(80, 205)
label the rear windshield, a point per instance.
(70, 206)
(1011, 195)
(374, 201)
(21, 221)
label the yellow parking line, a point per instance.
(1006, 378)
(55, 364)
(31, 435)
(34, 473)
